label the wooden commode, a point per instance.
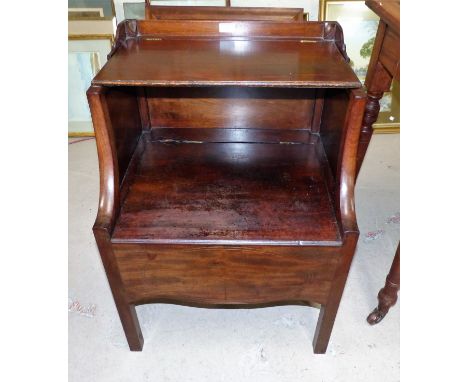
(227, 154)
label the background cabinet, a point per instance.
(135, 8)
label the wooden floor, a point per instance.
(229, 193)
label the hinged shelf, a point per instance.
(214, 53)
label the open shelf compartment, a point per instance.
(186, 191)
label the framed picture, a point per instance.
(85, 13)
(360, 27)
(91, 29)
(135, 9)
(86, 56)
(90, 9)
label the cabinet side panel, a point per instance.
(242, 108)
(332, 126)
(122, 103)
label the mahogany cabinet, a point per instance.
(227, 154)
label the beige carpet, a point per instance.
(269, 344)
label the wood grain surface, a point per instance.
(226, 274)
(232, 107)
(227, 155)
(204, 53)
(228, 192)
(165, 12)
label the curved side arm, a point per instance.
(108, 165)
(347, 164)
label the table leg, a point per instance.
(370, 116)
(388, 295)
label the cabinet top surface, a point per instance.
(388, 11)
(300, 59)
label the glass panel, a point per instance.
(85, 59)
(82, 67)
(137, 10)
(90, 8)
(134, 10)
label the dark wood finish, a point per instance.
(108, 207)
(332, 121)
(143, 108)
(123, 111)
(159, 12)
(182, 53)
(384, 65)
(233, 107)
(226, 275)
(239, 193)
(196, 29)
(231, 135)
(388, 295)
(229, 192)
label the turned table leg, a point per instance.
(388, 295)
(370, 116)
